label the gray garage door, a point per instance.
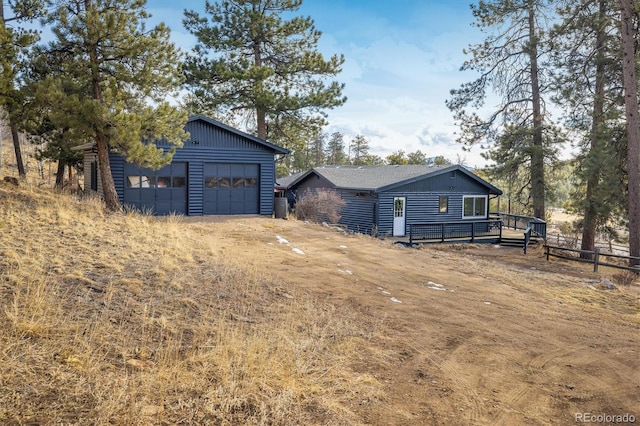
(231, 188)
(161, 191)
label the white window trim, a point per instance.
(486, 206)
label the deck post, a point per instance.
(473, 231)
(442, 231)
(596, 259)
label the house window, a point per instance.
(475, 206)
(444, 204)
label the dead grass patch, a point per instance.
(131, 320)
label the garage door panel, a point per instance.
(231, 188)
(162, 192)
(163, 195)
(162, 208)
(224, 169)
(148, 195)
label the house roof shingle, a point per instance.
(376, 178)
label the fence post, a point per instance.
(442, 231)
(596, 259)
(546, 251)
(473, 231)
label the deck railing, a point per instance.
(485, 230)
(514, 221)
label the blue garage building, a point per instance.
(219, 170)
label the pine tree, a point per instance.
(14, 44)
(417, 157)
(249, 58)
(335, 154)
(122, 74)
(397, 158)
(50, 128)
(629, 24)
(359, 151)
(509, 64)
(316, 150)
(309, 154)
(588, 78)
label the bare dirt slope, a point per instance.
(470, 334)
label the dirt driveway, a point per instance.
(469, 334)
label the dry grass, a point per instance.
(128, 319)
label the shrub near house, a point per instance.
(320, 205)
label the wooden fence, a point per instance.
(574, 241)
(595, 257)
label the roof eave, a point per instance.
(277, 149)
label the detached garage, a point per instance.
(219, 170)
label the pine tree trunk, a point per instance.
(108, 186)
(261, 116)
(60, 175)
(1, 140)
(633, 124)
(597, 124)
(16, 146)
(537, 153)
(261, 124)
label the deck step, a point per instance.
(517, 242)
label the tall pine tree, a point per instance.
(517, 134)
(359, 151)
(629, 36)
(587, 65)
(334, 151)
(125, 73)
(14, 43)
(250, 59)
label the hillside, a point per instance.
(130, 319)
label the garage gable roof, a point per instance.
(210, 121)
(384, 178)
(275, 148)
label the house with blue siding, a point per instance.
(218, 171)
(386, 200)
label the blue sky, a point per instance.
(402, 58)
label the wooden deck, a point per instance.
(507, 235)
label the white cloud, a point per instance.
(401, 61)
